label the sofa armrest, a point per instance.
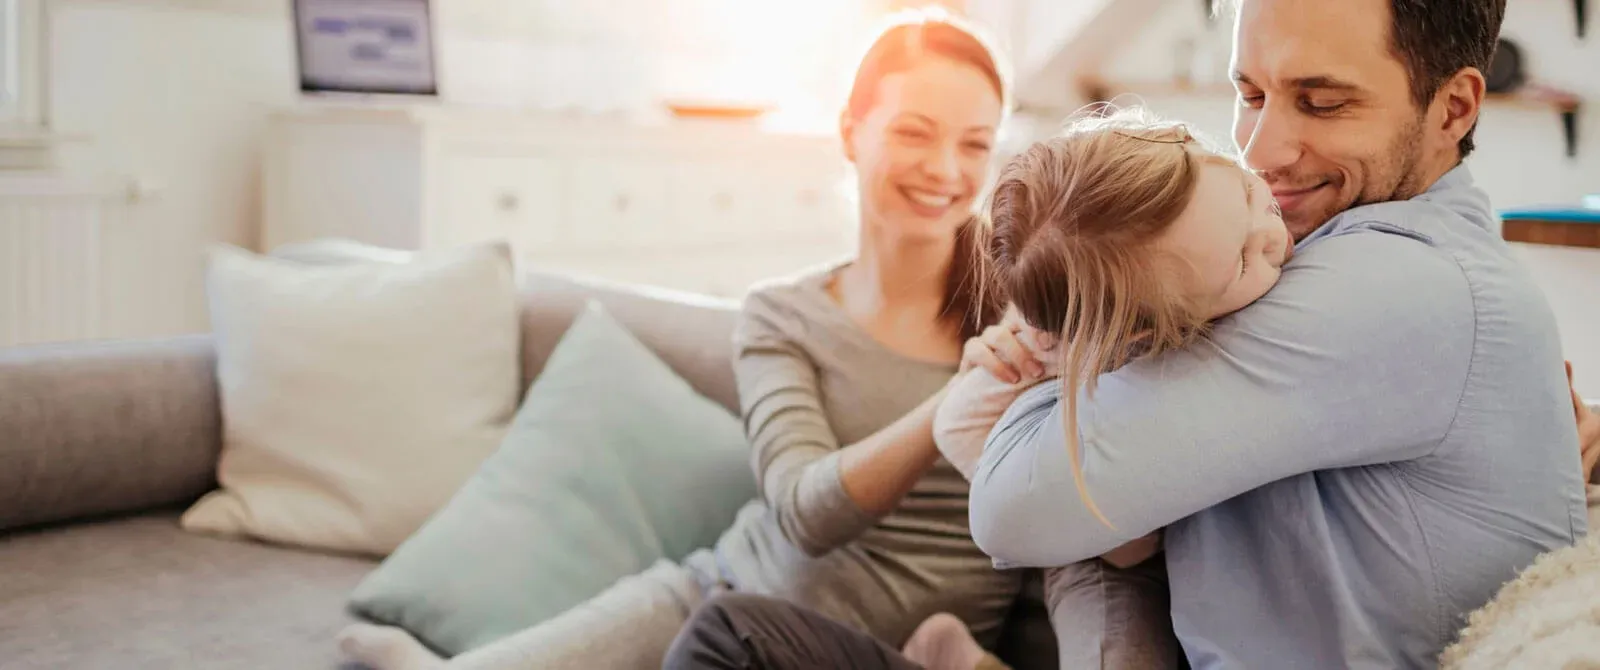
(100, 428)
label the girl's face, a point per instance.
(1232, 234)
(922, 151)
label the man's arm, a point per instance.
(1358, 356)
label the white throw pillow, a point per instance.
(356, 398)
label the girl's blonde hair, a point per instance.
(1070, 241)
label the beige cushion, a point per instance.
(356, 398)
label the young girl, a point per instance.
(1123, 237)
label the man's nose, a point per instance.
(1275, 140)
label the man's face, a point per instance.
(1325, 112)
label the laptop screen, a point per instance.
(365, 46)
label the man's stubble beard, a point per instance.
(1391, 175)
(1399, 164)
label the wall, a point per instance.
(173, 95)
(1521, 152)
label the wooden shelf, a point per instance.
(1100, 90)
(1534, 102)
(1550, 232)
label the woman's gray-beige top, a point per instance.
(812, 381)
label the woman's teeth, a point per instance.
(929, 199)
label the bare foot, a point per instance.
(942, 642)
(386, 648)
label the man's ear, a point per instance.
(847, 135)
(1460, 98)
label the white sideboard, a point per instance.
(700, 206)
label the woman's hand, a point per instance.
(1011, 350)
(1588, 430)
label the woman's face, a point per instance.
(922, 151)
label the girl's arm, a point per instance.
(974, 403)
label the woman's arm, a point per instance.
(823, 494)
(879, 470)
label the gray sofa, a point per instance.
(103, 444)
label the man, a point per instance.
(1357, 461)
(1352, 464)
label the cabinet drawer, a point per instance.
(488, 197)
(812, 206)
(620, 203)
(720, 202)
(758, 205)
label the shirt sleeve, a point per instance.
(1358, 356)
(794, 451)
(969, 411)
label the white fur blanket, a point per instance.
(1548, 617)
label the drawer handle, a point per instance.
(621, 203)
(722, 200)
(808, 197)
(508, 202)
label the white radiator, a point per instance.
(50, 258)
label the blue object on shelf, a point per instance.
(1561, 214)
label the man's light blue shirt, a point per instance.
(1345, 469)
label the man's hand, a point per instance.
(1588, 430)
(1134, 552)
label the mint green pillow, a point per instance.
(612, 463)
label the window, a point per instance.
(21, 64)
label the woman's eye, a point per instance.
(1244, 262)
(912, 134)
(978, 146)
(1252, 100)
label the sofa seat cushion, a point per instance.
(139, 592)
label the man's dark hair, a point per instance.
(1435, 39)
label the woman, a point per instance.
(839, 372)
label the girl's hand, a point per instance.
(1010, 350)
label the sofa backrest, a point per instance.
(97, 428)
(691, 333)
